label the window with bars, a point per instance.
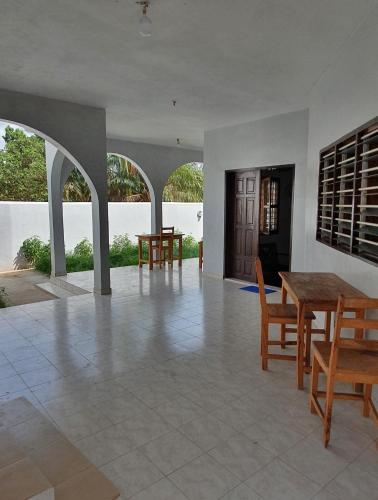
(348, 193)
(269, 205)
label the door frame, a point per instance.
(227, 215)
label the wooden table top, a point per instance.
(318, 288)
(157, 236)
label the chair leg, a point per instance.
(367, 397)
(314, 383)
(328, 410)
(264, 344)
(308, 343)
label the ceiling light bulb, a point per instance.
(145, 25)
(144, 22)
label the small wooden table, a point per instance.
(314, 292)
(150, 239)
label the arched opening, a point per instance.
(24, 207)
(183, 205)
(25, 256)
(77, 217)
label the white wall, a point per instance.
(345, 97)
(21, 220)
(279, 140)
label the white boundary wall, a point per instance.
(21, 220)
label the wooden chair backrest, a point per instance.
(260, 281)
(356, 323)
(167, 231)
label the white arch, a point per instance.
(79, 132)
(58, 265)
(59, 147)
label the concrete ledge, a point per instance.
(213, 275)
(102, 291)
(62, 283)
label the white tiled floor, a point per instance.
(160, 386)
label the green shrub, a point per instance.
(37, 254)
(122, 252)
(83, 249)
(189, 247)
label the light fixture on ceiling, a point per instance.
(144, 22)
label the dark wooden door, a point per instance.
(243, 235)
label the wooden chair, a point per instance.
(282, 314)
(348, 360)
(165, 247)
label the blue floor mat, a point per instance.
(255, 289)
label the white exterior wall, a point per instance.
(21, 220)
(279, 140)
(344, 98)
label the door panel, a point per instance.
(251, 185)
(249, 238)
(243, 206)
(239, 211)
(238, 242)
(249, 214)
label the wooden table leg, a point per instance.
(150, 255)
(140, 251)
(170, 251)
(300, 345)
(180, 251)
(283, 327)
(327, 326)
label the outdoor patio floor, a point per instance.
(160, 386)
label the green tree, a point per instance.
(76, 188)
(22, 167)
(124, 181)
(185, 184)
(23, 176)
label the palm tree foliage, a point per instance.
(185, 184)
(23, 176)
(76, 188)
(124, 181)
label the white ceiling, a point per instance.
(224, 61)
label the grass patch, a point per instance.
(122, 252)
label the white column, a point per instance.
(54, 163)
(101, 239)
(156, 209)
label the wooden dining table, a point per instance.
(314, 292)
(150, 239)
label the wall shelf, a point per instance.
(347, 218)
